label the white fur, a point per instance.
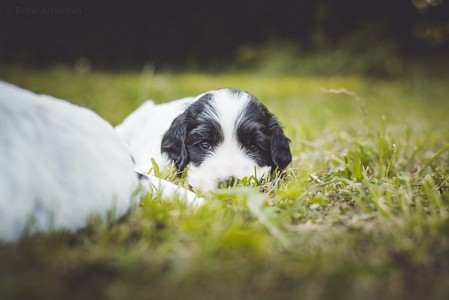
(59, 164)
(143, 130)
(167, 190)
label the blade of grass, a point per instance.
(435, 157)
(255, 203)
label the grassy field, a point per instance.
(362, 213)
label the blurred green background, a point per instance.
(361, 88)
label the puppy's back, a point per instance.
(59, 163)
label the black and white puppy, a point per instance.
(221, 135)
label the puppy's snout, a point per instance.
(227, 182)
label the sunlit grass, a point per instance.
(362, 212)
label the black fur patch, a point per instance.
(262, 137)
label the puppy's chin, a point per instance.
(208, 177)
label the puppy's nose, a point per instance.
(227, 182)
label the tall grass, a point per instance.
(362, 212)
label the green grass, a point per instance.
(362, 213)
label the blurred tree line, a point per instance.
(128, 34)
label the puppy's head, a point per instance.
(226, 134)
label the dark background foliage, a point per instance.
(128, 34)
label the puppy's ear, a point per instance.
(280, 145)
(173, 143)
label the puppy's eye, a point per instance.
(253, 147)
(205, 145)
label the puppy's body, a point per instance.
(219, 135)
(144, 129)
(60, 164)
